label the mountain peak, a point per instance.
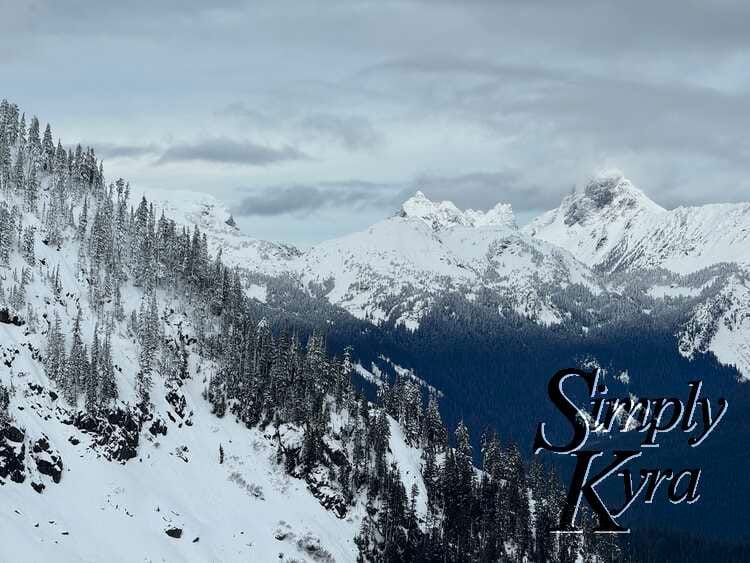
(608, 193)
(445, 214)
(603, 187)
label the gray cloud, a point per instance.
(249, 115)
(115, 150)
(227, 151)
(303, 199)
(476, 190)
(353, 132)
(476, 101)
(483, 190)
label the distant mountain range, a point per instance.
(609, 241)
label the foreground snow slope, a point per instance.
(245, 509)
(234, 511)
(614, 228)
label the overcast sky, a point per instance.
(313, 119)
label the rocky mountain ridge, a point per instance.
(606, 235)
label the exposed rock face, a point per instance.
(328, 497)
(16, 465)
(177, 399)
(7, 318)
(318, 477)
(48, 460)
(158, 427)
(13, 434)
(174, 532)
(116, 432)
(12, 454)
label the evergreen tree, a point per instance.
(48, 149)
(108, 392)
(93, 375)
(55, 359)
(76, 366)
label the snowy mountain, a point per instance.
(614, 228)
(195, 209)
(149, 411)
(594, 223)
(445, 214)
(395, 269)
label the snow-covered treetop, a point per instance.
(445, 214)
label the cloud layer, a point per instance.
(302, 200)
(228, 151)
(471, 101)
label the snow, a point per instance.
(373, 375)
(257, 291)
(721, 325)
(731, 346)
(445, 214)
(247, 508)
(409, 465)
(123, 510)
(614, 225)
(396, 268)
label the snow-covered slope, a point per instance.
(213, 218)
(401, 264)
(614, 226)
(82, 494)
(721, 324)
(396, 268)
(244, 509)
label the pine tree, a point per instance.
(22, 133)
(118, 308)
(19, 177)
(108, 392)
(83, 220)
(27, 247)
(149, 336)
(434, 429)
(31, 192)
(48, 149)
(76, 366)
(55, 358)
(93, 376)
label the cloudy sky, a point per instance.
(313, 119)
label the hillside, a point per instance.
(144, 395)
